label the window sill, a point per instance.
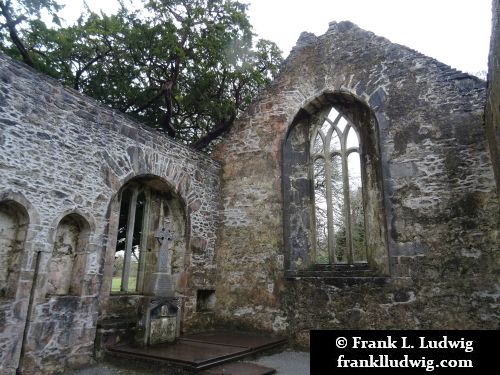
(339, 274)
(126, 294)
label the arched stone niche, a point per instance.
(69, 255)
(13, 229)
(298, 189)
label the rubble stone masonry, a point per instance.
(438, 218)
(63, 159)
(430, 202)
(492, 114)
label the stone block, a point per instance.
(163, 329)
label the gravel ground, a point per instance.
(285, 363)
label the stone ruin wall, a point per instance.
(492, 114)
(440, 204)
(64, 158)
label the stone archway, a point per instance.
(146, 262)
(148, 206)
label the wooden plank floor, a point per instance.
(249, 340)
(201, 350)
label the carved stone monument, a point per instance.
(162, 281)
(159, 321)
(159, 311)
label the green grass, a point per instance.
(117, 282)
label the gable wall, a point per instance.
(440, 202)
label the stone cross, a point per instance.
(164, 237)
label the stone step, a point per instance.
(239, 368)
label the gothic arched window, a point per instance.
(333, 198)
(338, 192)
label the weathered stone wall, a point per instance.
(64, 158)
(64, 154)
(439, 202)
(492, 114)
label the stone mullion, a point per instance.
(328, 172)
(329, 210)
(129, 240)
(144, 240)
(347, 207)
(347, 196)
(329, 204)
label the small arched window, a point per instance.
(338, 197)
(147, 205)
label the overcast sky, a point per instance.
(456, 32)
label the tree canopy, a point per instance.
(187, 67)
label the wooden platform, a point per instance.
(203, 350)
